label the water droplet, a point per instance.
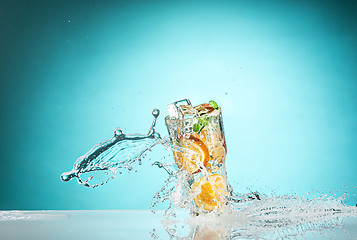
(118, 132)
(156, 112)
(67, 176)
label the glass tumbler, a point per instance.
(200, 152)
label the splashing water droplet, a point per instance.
(67, 176)
(156, 113)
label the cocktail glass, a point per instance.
(197, 135)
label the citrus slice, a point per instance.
(217, 153)
(202, 135)
(194, 153)
(209, 193)
(203, 109)
(216, 144)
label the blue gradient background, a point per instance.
(284, 72)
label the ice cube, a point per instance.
(178, 109)
(188, 111)
(173, 111)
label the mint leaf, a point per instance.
(201, 128)
(213, 104)
(196, 127)
(203, 121)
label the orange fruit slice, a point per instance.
(194, 153)
(203, 109)
(210, 192)
(202, 136)
(217, 153)
(215, 144)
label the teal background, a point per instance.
(284, 73)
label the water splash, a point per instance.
(249, 216)
(121, 151)
(257, 216)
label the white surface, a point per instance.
(114, 224)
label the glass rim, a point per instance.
(215, 113)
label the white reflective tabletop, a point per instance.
(140, 224)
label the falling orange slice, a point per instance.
(194, 154)
(210, 192)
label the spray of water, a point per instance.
(248, 216)
(121, 151)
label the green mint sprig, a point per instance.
(204, 120)
(201, 124)
(213, 104)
